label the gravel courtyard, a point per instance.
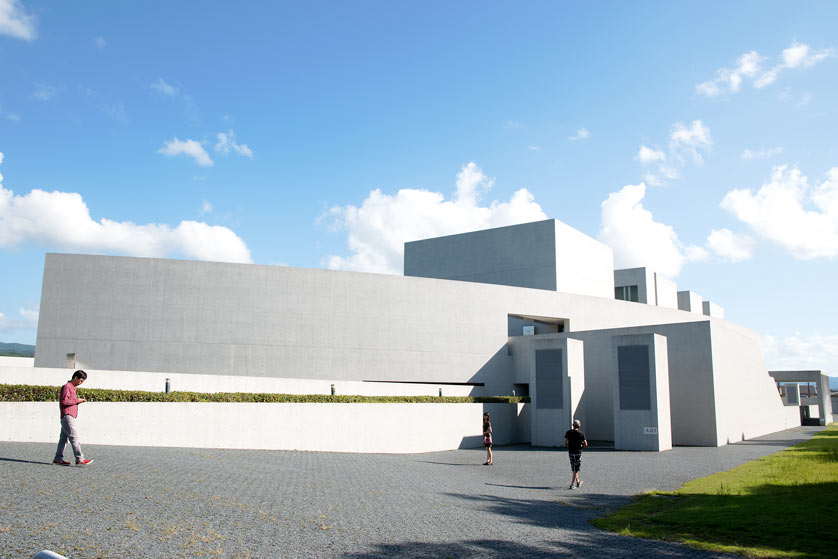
(176, 502)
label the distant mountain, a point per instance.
(17, 350)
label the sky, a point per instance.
(697, 139)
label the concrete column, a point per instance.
(640, 373)
(557, 380)
(824, 400)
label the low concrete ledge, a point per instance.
(369, 428)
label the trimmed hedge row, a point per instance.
(27, 393)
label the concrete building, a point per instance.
(526, 309)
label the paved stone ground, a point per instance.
(173, 502)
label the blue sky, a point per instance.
(698, 140)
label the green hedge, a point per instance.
(26, 393)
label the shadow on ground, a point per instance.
(598, 544)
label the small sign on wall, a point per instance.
(650, 430)
(529, 330)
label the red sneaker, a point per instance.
(60, 463)
(84, 462)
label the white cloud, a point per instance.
(161, 86)
(799, 352)
(648, 155)
(44, 92)
(790, 213)
(378, 229)
(227, 142)
(731, 246)
(116, 111)
(15, 22)
(30, 316)
(28, 320)
(731, 78)
(764, 153)
(206, 207)
(61, 221)
(581, 134)
(688, 140)
(750, 66)
(535, 148)
(191, 148)
(637, 239)
(685, 142)
(100, 42)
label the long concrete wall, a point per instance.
(186, 382)
(138, 314)
(380, 428)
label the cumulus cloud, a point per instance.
(730, 246)
(61, 221)
(800, 352)
(227, 143)
(581, 134)
(787, 211)
(764, 153)
(15, 22)
(637, 239)
(686, 142)
(750, 66)
(378, 229)
(191, 148)
(160, 86)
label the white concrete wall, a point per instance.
(522, 255)
(667, 291)
(139, 314)
(17, 361)
(583, 265)
(748, 404)
(185, 382)
(381, 428)
(709, 308)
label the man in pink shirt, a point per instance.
(68, 403)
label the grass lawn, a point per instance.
(781, 505)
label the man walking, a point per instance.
(68, 404)
(574, 440)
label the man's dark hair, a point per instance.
(80, 374)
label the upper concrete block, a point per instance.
(546, 255)
(712, 309)
(651, 287)
(690, 302)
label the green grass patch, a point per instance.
(27, 393)
(776, 506)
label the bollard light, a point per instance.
(440, 392)
(333, 390)
(168, 386)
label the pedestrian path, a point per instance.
(169, 502)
